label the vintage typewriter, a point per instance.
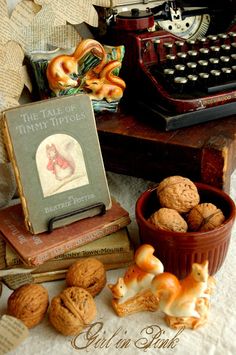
(180, 63)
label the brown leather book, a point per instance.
(34, 250)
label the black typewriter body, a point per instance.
(185, 72)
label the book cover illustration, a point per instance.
(55, 151)
(60, 164)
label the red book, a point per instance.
(36, 249)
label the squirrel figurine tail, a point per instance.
(146, 261)
(177, 298)
(138, 277)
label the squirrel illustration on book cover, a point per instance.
(60, 164)
(62, 167)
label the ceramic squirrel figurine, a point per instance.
(61, 68)
(138, 276)
(105, 85)
(177, 298)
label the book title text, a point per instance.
(48, 118)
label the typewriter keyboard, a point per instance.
(194, 68)
(191, 74)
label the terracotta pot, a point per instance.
(177, 251)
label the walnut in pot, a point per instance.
(178, 193)
(205, 217)
(72, 310)
(28, 303)
(88, 273)
(169, 220)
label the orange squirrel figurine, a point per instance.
(61, 68)
(138, 276)
(177, 298)
(106, 85)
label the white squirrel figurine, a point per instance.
(177, 298)
(138, 276)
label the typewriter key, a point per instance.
(224, 60)
(225, 49)
(179, 45)
(180, 84)
(232, 36)
(215, 51)
(192, 81)
(169, 71)
(222, 37)
(156, 44)
(214, 63)
(204, 79)
(226, 73)
(233, 59)
(181, 57)
(192, 55)
(168, 46)
(202, 41)
(204, 53)
(215, 76)
(191, 66)
(169, 75)
(191, 44)
(212, 39)
(233, 72)
(203, 65)
(170, 60)
(180, 68)
(233, 48)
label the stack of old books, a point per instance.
(66, 211)
(47, 256)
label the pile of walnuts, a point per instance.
(181, 210)
(70, 311)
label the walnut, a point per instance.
(178, 193)
(169, 220)
(87, 273)
(29, 303)
(205, 217)
(72, 310)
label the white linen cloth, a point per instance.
(215, 338)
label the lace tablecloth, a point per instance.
(144, 332)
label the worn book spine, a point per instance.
(54, 265)
(10, 151)
(114, 243)
(2, 254)
(53, 251)
(84, 239)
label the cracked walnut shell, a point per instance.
(87, 273)
(29, 303)
(169, 220)
(205, 217)
(72, 310)
(178, 193)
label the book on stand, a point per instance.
(34, 250)
(55, 152)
